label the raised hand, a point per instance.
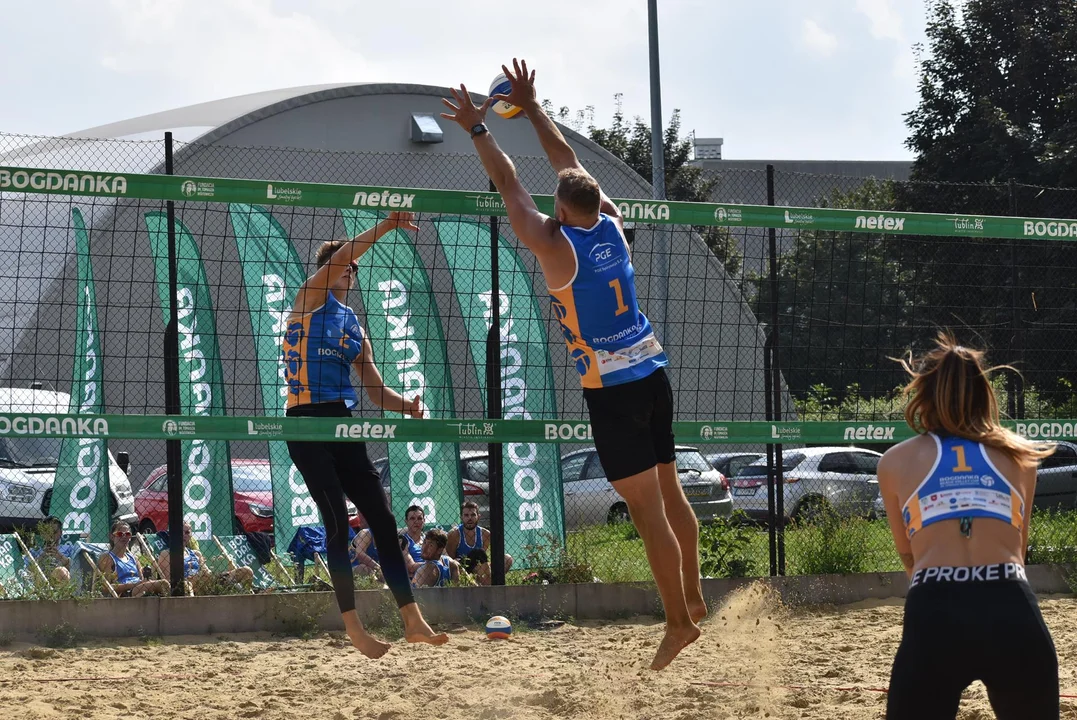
(464, 112)
(522, 92)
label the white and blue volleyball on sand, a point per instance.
(498, 628)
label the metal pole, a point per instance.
(1017, 383)
(776, 382)
(493, 412)
(172, 399)
(658, 169)
(772, 540)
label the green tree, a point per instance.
(847, 303)
(998, 103)
(630, 142)
(998, 93)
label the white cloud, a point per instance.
(885, 21)
(227, 47)
(887, 24)
(817, 39)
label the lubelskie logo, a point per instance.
(283, 194)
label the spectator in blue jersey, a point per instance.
(587, 265)
(364, 554)
(414, 522)
(469, 545)
(197, 572)
(437, 569)
(121, 566)
(323, 343)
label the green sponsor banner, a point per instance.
(272, 274)
(275, 192)
(533, 501)
(80, 493)
(405, 333)
(166, 427)
(207, 467)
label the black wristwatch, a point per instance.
(479, 130)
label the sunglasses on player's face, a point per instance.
(354, 266)
(122, 533)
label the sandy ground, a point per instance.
(589, 671)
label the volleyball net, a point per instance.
(141, 307)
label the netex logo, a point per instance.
(869, 432)
(364, 430)
(880, 222)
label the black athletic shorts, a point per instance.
(632, 424)
(973, 623)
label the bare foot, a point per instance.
(676, 639)
(368, 644)
(697, 610)
(420, 632)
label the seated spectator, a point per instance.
(49, 558)
(120, 566)
(415, 520)
(364, 554)
(197, 572)
(469, 544)
(437, 569)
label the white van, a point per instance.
(28, 464)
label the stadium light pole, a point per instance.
(658, 165)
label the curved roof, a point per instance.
(207, 114)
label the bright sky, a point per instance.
(777, 79)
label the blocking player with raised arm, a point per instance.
(587, 266)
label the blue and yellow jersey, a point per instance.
(608, 337)
(318, 350)
(963, 483)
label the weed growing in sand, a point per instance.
(63, 635)
(6, 638)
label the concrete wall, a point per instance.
(441, 606)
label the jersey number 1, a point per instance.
(621, 307)
(962, 465)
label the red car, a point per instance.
(252, 493)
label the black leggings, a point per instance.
(332, 470)
(977, 629)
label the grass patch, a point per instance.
(63, 635)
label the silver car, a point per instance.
(1056, 479)
(591, 500)
(817, 480)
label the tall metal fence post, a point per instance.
(1017, 383)
(776, 383)
(493, 412)
(772, 540)
(658, 171)
(172, 398)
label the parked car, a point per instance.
(590, 499)
(1056, 479)
(474, 478)
(730, 463)
(252, 494)
(28, 464)
(817, 480)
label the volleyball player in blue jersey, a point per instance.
(322, 343)
(959, 499)
(588, 268)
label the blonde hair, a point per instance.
(577, 189)
(950, 392)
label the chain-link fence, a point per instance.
(87, 292)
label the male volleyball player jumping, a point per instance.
(586, 262)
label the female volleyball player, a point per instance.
(958, 497)
(322, 342)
